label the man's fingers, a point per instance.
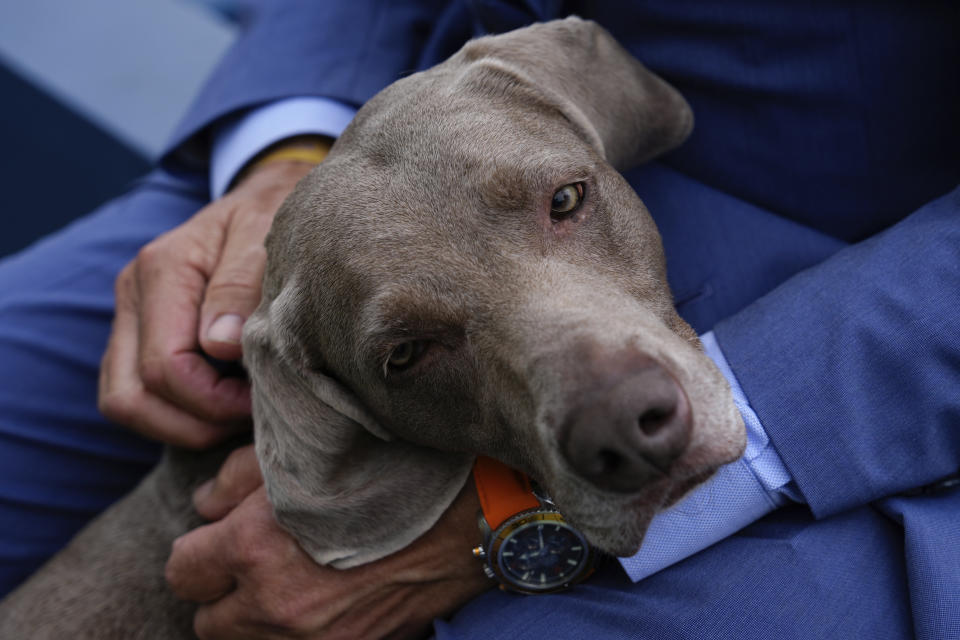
(225, 619)
(121, 394)
(279, 592)
(122, 342)
(199, 569)
(234, 289)
(155, 376)
(245, 556)
(238, 477)
(172, 275)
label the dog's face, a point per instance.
(468, 273)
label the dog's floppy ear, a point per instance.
(614, 103)
(338, 484)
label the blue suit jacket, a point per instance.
(805, 219)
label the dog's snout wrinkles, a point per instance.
(627, 426)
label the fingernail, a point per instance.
(202, 492)
(226, 328)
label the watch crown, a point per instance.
(487, 571)
(478, 552)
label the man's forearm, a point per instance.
(852, 366)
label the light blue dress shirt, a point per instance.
(238, 142)
(738, 494)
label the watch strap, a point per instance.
(503, 491)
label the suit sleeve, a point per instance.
(853, 366)
(345, 50)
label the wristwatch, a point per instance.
(527, 545)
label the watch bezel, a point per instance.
(496, 538)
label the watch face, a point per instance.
(542, 555)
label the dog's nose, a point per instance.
(626, 431)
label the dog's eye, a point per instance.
(566, 200)
(404, 355)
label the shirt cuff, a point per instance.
(760, 455)
(238, 142)
(737, 495)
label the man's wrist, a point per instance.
(309, 150)
(237, 141)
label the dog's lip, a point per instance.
(634, 513)
(664, 491)
(668, 491)
(680, 489)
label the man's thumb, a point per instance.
(225, 309)
(231, 296)
(226, 328)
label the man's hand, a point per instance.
(190, 290)
(253, 581)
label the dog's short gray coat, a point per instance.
(430, 221)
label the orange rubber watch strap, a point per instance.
(502, 490)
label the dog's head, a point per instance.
(468, 273)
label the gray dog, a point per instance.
(467, 273)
